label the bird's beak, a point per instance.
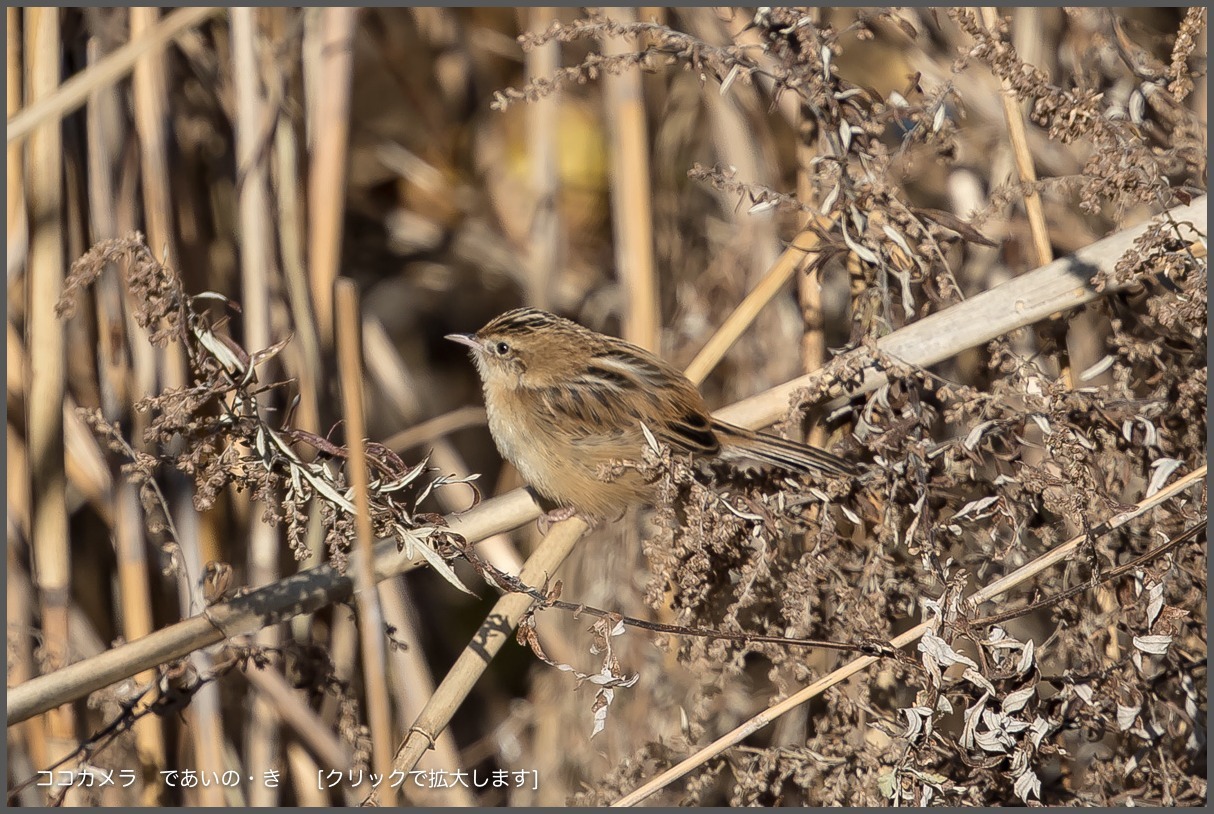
(465, 339)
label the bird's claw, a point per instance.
(546, 520)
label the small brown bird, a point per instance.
(564, 400)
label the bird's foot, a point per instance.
(546, 520)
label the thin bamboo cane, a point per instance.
(485, 644)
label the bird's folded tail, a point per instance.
(738, 443)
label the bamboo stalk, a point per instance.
(370, 614)
(47, 386)
(256, 248)
(111, 360)
(137, 621)
(204, 718)
(632, 217)
(996, 588)
(134, 578)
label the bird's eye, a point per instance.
(502, 348)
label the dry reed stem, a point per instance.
(291, 246)
(112, 366)
(486, 643)
(366, 595)
(1060, 286)
(411, 675)
(999, 586)
(134, 575)
(86, 468)
(204, 718)
(151, 115)
(151, 118)
(304, 770)
(545, 243)
(426, 432)
(19, 605)
(813, 340)
(134, 587)
(632, 216)
(256, 246)
(17, 237)
(1017, 133)
(256, 270)
(47, 385)
(330, 128)
(73, 93)
(291, 709)
(744, 314)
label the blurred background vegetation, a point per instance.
(426, 155)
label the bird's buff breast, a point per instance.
(561, 467)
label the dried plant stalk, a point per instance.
(631, 214)
(370, 614)
(47, 387)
